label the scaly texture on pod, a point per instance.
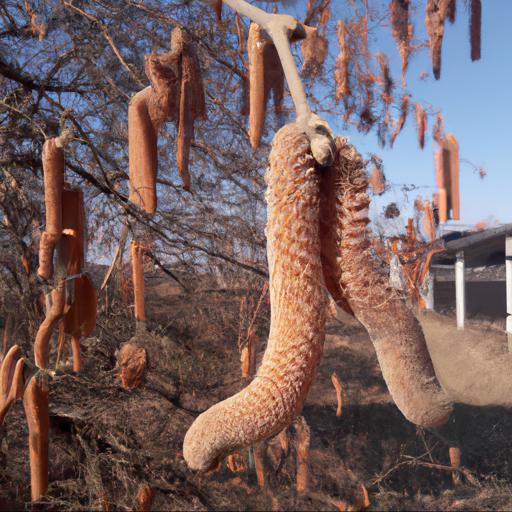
(53, 173)
(435, 14)
(298, 312)
(44, 333)
(395, 332)
(142, 152)
(35, 402)
(11, 380)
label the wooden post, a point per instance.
(460, 291)
(429, 296)
(508, 274)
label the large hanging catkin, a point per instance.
(475, 28)
(298, 312)
(53, 170)
(421, 123)
(142, 152)
(395, 332)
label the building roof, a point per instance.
(480, 248)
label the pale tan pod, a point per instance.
(257, 101)
(35, 402)
(451, 145)
(298, 312)
(394, 330)
(142, 152)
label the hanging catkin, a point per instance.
(298, 312)
(402, 30)
(421, 123)
(142, 152)
(342, 66)
(255, 49)
(451, 10)
(450, 149)
(136, 252)
(395, 332)
(314, 50)
(53, 171)
(404, 110)
(435, 15)
(475, 25)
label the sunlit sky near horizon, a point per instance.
(474, 98)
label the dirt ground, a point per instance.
(107, 441)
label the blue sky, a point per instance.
(474, 98)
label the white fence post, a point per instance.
(508, 277)
(460, 290)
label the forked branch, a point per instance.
(282, 29)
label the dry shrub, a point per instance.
(421, 123)
(402, 30)
(475, 25)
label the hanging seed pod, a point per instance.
(421, 123)
(450, 148)
(298, 304)
(53, 171)
(434, 22)
(429, 224)
(136, 252)
(442, 204)
(402, 30)
(314, 50)
(256, 49)
(342, 65)
(337, 386)
(185, 131)
(475, 25)
(377, 181)
(395, 332)
(35, 402)
(404, 110)
(142, 152)
(438, 130)
(385, 79)
(12, 381)
(451, 10)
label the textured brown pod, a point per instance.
(142, 152)
(475, 23)
(256, 44)
(404, 110)
(421, 123)
(395, 332)
(298, 312)
(131, 360)
(53, 315)
(11, 380)
(402, 30)
(144, 498)
(303, 443)
(35, 402)
(314, 50)
(435, 14)
(337, 386)
(137, 253)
